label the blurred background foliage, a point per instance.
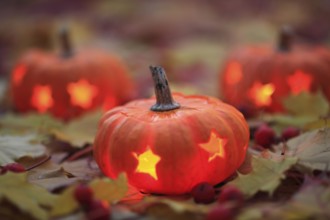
(190, 38)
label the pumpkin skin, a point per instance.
(101, 79)
(260, 77)
(177, 144)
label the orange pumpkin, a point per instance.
(259, 77)
(70, 84)
(171, 147)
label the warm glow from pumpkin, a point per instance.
(42, 98)
(147, 163)
(261, 94)
(234, 73)
(109, 102)
(215, 146)
(299, 82)
(82, 93)
(19, 73)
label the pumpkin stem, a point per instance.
(285, 39)
(164, 99)
(65, 42)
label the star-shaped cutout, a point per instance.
(234, 73)
(82, 93)
(261, 94)
(299, 82)
(215, 146)
(147, 162)
(19, 73)
(42, 98)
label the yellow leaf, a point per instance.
(65, 203)
(266, 175)
(104, 189)
(27, 197)
(80, 131)
(110, 190)
(16, 147)
(306, 103)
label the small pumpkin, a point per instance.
(171, 147)
(260, 77)
(70, 84)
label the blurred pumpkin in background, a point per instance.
(260, 77)
(168, 147)
(69, 84)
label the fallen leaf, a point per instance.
(265, 176)
(306, 103)
(28, 198)
(110, 190)
(311, 148)
(80, 131)
(12, 123)
(310, 202)
(172, 208)
(84, 169)
(15, 147)
(65, 203)
(104, 189)
(281, 121)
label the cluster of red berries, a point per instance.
(229, 200)
(12, 167)
(93, 208)
(265, 136)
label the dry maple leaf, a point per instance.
(311, 148)
(15, 147)
(266, 175)
(28, 198)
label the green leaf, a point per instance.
(16, 147)
(306, 103)
(28, 198)
(11, 123)
(266, 175)
(80, 131)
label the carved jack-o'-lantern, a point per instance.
(260, 77)
(70, 84)
(171, 147)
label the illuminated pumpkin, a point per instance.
(259, 77)
(70, 84)
(171, 147)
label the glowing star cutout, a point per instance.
(299, 82)
(42, 98)
(234, 73)
(261, 94)
(82, 93)
(19, 73)
(147, 163)
(215, 146)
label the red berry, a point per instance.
(264, 136)
(232, 194)
(203, 193)
(83, 194)
(220, 212)
(15, 168)
(3, 170)
(289, 133)
(98, 211)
